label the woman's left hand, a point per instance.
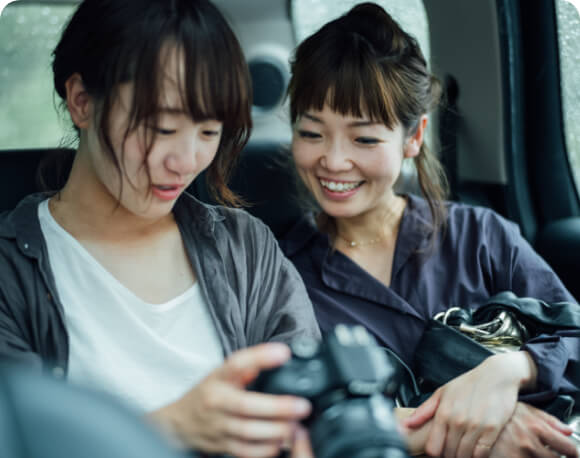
(470, 411)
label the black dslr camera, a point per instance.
(344, 377)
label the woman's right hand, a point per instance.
(532, 433)
(470, 411)
(219, 416)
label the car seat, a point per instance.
(264, 179)
(20, 172)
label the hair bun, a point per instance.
(378, 28)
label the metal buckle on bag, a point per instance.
(502, 334)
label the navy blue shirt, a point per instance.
(479, 254)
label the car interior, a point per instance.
(506, 132)
(503, 131)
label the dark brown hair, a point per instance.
(363, 62)
(109, 42)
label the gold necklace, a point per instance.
(353, 243)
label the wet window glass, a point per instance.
(28, 113)
(569, 45)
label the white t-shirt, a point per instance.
(148, 355)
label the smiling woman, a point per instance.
(323, 147)
(122, 281)
(360, 94)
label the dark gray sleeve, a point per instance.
(15, 347)
(279, 306)
(557, 357)
(515, 266)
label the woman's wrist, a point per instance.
(165, 420)
(519, 366)
(528, 383)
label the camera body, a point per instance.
(345, 377)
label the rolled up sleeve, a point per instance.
(558, 361)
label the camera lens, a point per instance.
(357, 428)
(344, 377)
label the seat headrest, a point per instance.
(20, 173)
(264, 179)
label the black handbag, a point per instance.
(460, 339)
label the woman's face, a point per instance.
(181, 150)
(349, 164)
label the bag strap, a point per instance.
(408, 393)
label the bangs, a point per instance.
(350, 80)
(112, 42)
(216, 82)
(211, 79)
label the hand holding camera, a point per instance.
(344, 377)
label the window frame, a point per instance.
(552, 186)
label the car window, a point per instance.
(568, 19)
(28, 34)
(309, 15)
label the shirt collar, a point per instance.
(414, 231)
(337, 270)
(189, 210)
(340, 273)
(22, 224)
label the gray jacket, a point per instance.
(253, 292)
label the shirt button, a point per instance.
(26, 246)
(58, 372)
